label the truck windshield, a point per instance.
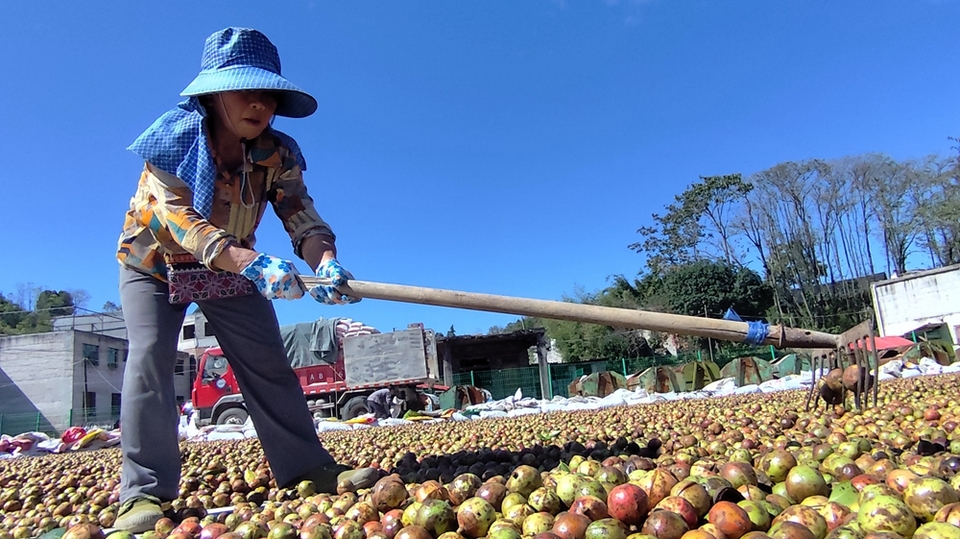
(214, 367)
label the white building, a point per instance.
(196, 334)
(51, 381)
(923, 299)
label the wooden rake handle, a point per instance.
(727, 330)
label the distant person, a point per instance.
(212, 167)
(379, 402)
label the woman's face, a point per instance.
(247, 112)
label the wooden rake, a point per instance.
(727, 330)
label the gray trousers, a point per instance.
(247, 330)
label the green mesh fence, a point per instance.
(504, 382)
(53, 424)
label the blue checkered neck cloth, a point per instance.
(178, 144)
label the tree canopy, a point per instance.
(18, 319)
(797, 243)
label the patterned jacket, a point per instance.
(161, 219)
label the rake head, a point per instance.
(855, 354)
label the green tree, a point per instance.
(55, 303)
(11, 315)
(707, 287)
(16, 319)
(697, 225)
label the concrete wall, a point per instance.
(36, 373)
(913, 300)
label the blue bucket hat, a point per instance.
(233, 59)
(244, 59)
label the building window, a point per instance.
(90, 400)
(178, 369)
(115, 403)
(207, 329)
(91, 353)
(189, 332)
(113, 357)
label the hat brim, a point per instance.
(294, 102)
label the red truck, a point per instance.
(334, 386)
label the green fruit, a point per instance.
(937, 530)
(514, 498)
(777, 464)
(524, 479)
(475, 516)
(845, 494)
(845, 532)
(282, 530)
(926, 495)
(567, 486)
(436, 516)
(758, 515)
(803, 482)
(592, 487)
(544, 499)
(606, 528)
(537, 523)
(886, 514)
(410, 514)
(306, 489)
(504, 533)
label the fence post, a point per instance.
(1, 423)
(474, 384)
(623, 362)
(38, 422)
(550, 377)
(773, 354)
(70, 418)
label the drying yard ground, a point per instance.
(750, 466)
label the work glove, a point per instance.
(328, 294)
(274, 277)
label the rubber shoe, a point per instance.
(139, 514)
(327, 478)
(360, 477)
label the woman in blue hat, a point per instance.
(212, 166)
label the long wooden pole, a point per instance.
(727, 330)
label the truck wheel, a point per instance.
(354, 407)
(232, 416)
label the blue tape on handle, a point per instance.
(756, 332)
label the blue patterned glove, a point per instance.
(331, 269)
(274, 277)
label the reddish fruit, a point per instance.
(730, 519)
(628, 504)
(591, 507)
(681, 507)
(213, 530)
(570, 525)
(665, 525)
(413, 532)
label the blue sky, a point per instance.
(506, 147)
